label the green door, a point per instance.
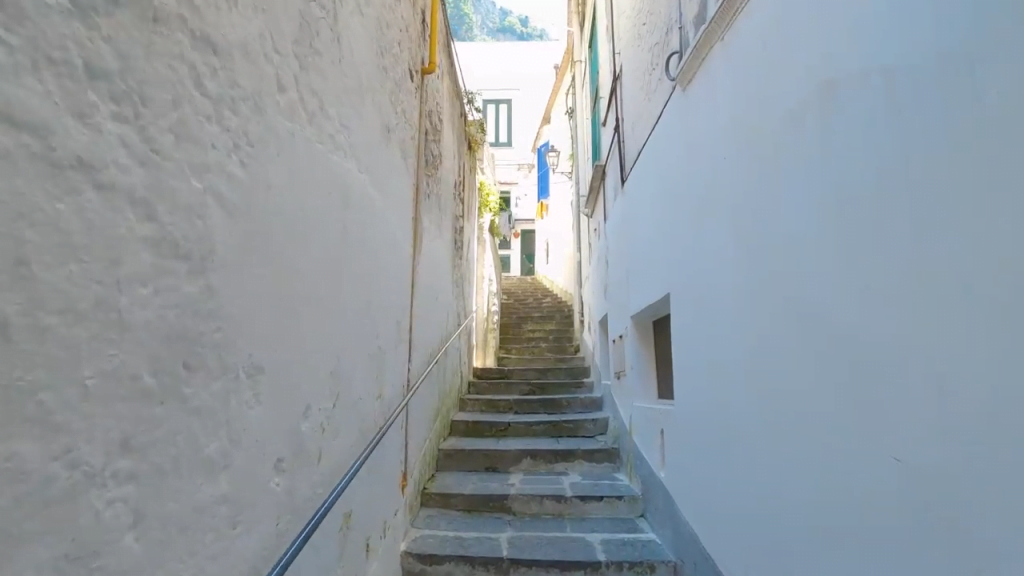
(527, 252)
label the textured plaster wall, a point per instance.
(488, 277)
(205, 253)
(832, 205)
(488, 299)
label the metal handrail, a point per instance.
(300, 541)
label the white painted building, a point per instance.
(512, 81)
(801, 277)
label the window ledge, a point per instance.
(594, 191)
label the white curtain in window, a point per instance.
(502, 110)
(490, 115)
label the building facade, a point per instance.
(511, 81)
(799, 279)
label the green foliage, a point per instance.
(462, 19)
(489, 205)
(476, 130)
(484, 21)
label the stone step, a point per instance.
(529, 388)
(532, 373)
(537, 350)
(535, 307)
(461, 454)
(521, 315)
(531, 314)
(490, 425)
(536, 340)
(529, 303)
(525, 286)
(536, 323)
(521, 297)
(566, 495)
(508, 361)
(446, 543)
(523, 332)
(560, 404)
(530, 329)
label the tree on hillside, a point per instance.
(484, 20)
(463, 21)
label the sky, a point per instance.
(547, 13)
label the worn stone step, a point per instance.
(536, 340)
(532, 373)
(525, 287)
(447, 543)
(533, 315)
(550, 404)
(535, 308)
(536, 323)
(529, 388)
(540, 361)
(537, 297)
(528, 308)
(461, 454)
(519, 332)
(529, 315)
(537, 350)
(567, 495)
(522, 331)
(535, 425)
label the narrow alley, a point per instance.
(511, 288)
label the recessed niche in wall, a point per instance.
(662, 328)
(652, 350)
(604, 352)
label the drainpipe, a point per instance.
(435, 11)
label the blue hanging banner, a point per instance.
(543, 179)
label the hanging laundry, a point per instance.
(505, 223)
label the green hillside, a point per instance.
(485, 21)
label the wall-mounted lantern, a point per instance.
(553, 158)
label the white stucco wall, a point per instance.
(556, 256)
(833, 206)
(205, 256)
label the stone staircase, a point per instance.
(528, 484)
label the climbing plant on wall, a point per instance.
(476, 130)
(489, 205)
